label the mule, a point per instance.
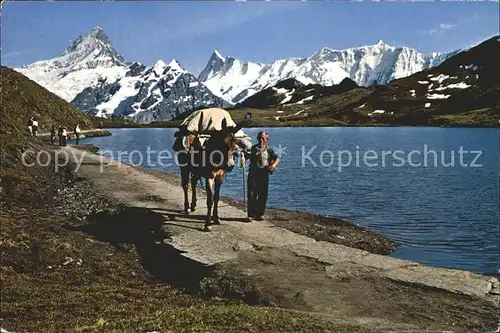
(210, 161)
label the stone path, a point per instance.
(298, 272)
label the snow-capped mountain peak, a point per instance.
(215, 65)
(176, 66)
(97, 80)
(159, 67)
(89, 58)
(379, 63)
(90, 51)
(94, 36)
(324, 51)
(219, 55)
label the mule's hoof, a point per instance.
(193, 207)
(186, 212)
(216, 220)
(207, 228)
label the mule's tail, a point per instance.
(198, 179)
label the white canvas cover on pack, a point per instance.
(205, 121)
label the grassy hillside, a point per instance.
(21, 99)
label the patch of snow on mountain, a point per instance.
(280, 90)
(377, 112)
(69, 85)
(440, 78)
(437, 96)
(427, 105)
(423, 82)
(461, 85)
(297, 113)
(288, 96)
(127, 89)
(413, 93)
(310, 98)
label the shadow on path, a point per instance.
(143, 228)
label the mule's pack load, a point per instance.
(201, 124)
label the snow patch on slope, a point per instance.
(437, 96)
(127, 89)
(280, 90)
(461, 85)
(310, 98)
(288, 96)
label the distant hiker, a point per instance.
(64, 135)
(53, 134)
(263, 162)
(35, 127)
(30, 126)
(77, 133)
(100, 123)
(59, 135)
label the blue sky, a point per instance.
(251, 31)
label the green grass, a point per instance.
(486, 117)
(110, 290)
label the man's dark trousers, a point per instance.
(258, 185)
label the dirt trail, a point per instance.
(264, 263)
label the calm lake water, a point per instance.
(445, 216)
